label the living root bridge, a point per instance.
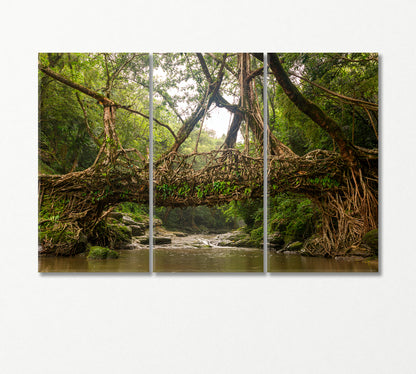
(348, 201)
(227, 175)
(212, 178)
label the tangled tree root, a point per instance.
(346, 217)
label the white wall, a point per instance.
(342, 323)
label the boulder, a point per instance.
(276, 239)
(129, 221)
(349, 258)
(371, 240)
(122, 234)
(224, 243)
(294, 247)
(157, 240)
(162, 240)
(361, 251)
(179, 234)
(248, 243)
(144, 240)
(101, 253)
(116, 215)
(137, 230)
(289, 252)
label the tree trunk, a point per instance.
(347, 151)
(112, 141)
(252, 111)
(231, 138)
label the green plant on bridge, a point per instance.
(165, 189)
(325, 182)
(184, 190)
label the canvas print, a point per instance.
(93, 162)
(323, 162)
(208, 162)
(209, 112)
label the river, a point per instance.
(278, 262)
(193, 253)
(200, 253)
(136, 260)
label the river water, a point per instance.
(136, 260)
(193, 253)
(296, 263)
(200, 253)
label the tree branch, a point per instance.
(146, 116)
(117, 72)
(254, 74)
(347, 150)
(100, 98)
(226, 65)
(364, 104)
(96, 141)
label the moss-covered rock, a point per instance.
(179, 234)
(101, 253)
(162, 240)
(137, 230)
(363, 251)
(144, 240)
(127, 220)
(238, 235)
(295, 246)
(121, 234)
(97, 253)
(371, 240)
(112, 254)
(156, 240)
(116, 215)
(276, 241)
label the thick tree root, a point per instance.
(346, 217)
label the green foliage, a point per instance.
(138, 212)
(184, 190)
(294, 217)
(110, 234)
(195, 219)
(257, 235)
(65, 142)
(251, 211)
(350, 74)
(325, 182)
(71, 129)
(371, 239)
(120, 233)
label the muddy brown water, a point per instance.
(136, 260)
(295, 263)
(200, 253)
